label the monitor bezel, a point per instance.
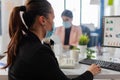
(103, 30)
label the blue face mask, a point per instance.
(49, 33)
(67, 24)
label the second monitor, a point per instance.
(111, 31)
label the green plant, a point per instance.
(89, 53)
(74, 48)
(83, 40)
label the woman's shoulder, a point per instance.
(76, 27)
(59, 27)
(30, 48)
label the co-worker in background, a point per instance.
(68, 33)
(28, 57)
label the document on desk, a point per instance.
(2, 64)
(67, 63)
(3, 61)
(3, 72)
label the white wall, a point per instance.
(112, 10)
(117, 7)
(7, 6)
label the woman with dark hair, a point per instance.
(29, 58)
(68, 33)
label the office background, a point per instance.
(86, 12)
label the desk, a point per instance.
(105, 73)
(3, 72)
(79, 69)
(3, 75)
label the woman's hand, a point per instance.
(94, 69)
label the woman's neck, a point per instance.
(39, 32)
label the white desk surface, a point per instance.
(3, 72)
(79, 69)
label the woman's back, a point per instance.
(33, 60)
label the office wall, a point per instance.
(117, 7)
(0, 20)
(113, 9)
(7, 6)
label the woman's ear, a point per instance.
(42, 20)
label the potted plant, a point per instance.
(74, 48)
(74, 53)
(83, 41)
(89, 53)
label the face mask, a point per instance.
(49, 33)
(67, 24)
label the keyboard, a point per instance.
(102, 64)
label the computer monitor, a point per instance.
(111, 31)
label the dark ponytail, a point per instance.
(31, 10)
(16, 29)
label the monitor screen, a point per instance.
(111, 31)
